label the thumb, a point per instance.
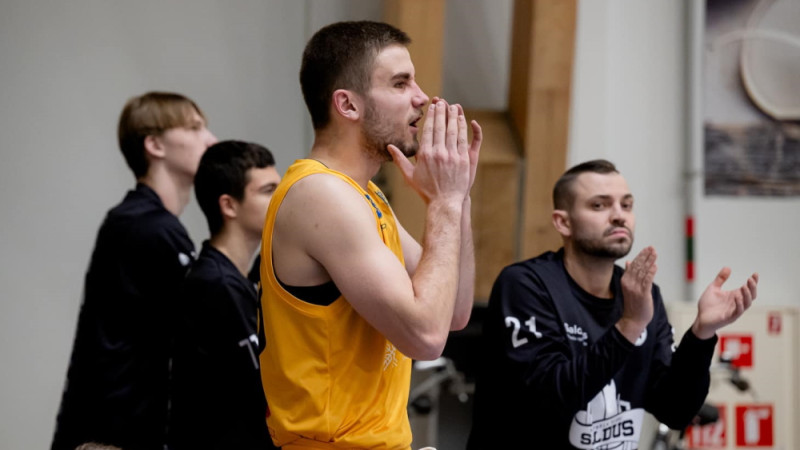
(722, 277)
(477, 137)
(402, 163)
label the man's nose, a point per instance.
(211, 139)
(618, 215)
(420, 99)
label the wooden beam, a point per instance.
(543, 41)
(495, 200)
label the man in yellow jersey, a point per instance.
(349, 297)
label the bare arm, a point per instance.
(341, 243)
(466, 272)
(466, 280)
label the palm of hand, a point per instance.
(718, 308)
(637, 286)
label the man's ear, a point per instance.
(347, 104)
(153, 147)
(228, 206)
(561, 222)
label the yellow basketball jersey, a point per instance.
(331, 379)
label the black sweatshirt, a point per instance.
(117, 382)
(557, 374)
(218, 402)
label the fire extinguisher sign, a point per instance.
(738, 349)
(709, 436)
(754, 425)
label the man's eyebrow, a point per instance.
(627, 196)
(401, 76)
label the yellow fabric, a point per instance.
(331, 380)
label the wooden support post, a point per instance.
(495, 200)
(543, 42)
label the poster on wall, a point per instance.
(751, 98)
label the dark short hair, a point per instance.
(341, 56)
(150, 114)
(563, 196)
(223, 170)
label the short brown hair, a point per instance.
(563, 197)
(341, 56)
(150, 114)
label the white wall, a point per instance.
(628, 107)
(66, 69)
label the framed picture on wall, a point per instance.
(750, 93)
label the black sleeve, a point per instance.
(533, 340)
(679, 378)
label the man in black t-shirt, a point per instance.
(576, 348)
(117, 382)
(218, 402)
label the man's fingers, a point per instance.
(402, 163)
(747, 296)
(652, 256)
(427, 128)
(463, 144)
(451, 135)
(440, 124)
(651, 273)
(722, 277)
(739, 300)
(752, 283)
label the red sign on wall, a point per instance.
(708, 436)
(754, 425)
(738, 348)
(774, 323)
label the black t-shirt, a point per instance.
(557, 374)
(117, 382)
(218, 402)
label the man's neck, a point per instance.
(239, 248)
(173, 192)
(345, 154)
(592, 273)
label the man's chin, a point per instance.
(611, 251)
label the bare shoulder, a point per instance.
(321, 195)
(321, 215)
